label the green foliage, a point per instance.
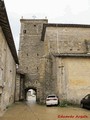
(63, 103)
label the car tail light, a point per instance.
(47, 99)
(55, 99)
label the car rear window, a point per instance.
(51, 96)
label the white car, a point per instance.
(52, 100)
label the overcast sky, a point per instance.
(57, 11)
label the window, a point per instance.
(34, 25)
(86, 98)
(26, 68)
(71, 49)
(0, 98)
(24, 31)
(37, 54)
(1, 73)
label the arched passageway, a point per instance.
(30, 95)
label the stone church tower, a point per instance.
(31, 49)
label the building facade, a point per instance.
(67, 57)
(8, 61)
(55, 58)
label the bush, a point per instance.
(63, 103)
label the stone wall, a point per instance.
(45, 78)
(71, 74)
(73, 78)
(67, 39)
(7, 74)
(17, 87)
(31, 50)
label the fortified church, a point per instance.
(55, 58)
(52, 59)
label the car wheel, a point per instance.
(81, 105)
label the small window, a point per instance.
(71, 49)
(0, 98)
(78, 49)
(4, 49)
(34, 25)
(27, 68)
(24, 31)
(37, 54)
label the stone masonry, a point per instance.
(8, 61)
(68, 49)
(30, 51)
(50, 56)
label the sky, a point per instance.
(56, 11)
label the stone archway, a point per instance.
(30, 88)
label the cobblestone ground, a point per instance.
(23, 111)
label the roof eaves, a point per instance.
(72, 55)
(4, 23)
(61, 25)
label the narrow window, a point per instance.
(27, 68)
(78, 49)
(37, 54)
(24, 31)
(34, 25)
(71, 49)
(0, 98)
